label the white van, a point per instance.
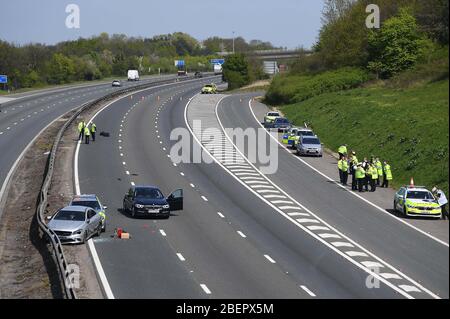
(133, 75)
(217, 69)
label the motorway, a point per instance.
(242, 234)
(21, 119)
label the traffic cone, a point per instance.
(411, 183)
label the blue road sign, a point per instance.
(179, 63)
(3, 79)
(218, 61)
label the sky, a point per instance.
(285, 23)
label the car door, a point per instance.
(175, 200)
(399, 198)
(92, 221)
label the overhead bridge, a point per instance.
(272, 54)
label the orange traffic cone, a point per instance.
(411, 183)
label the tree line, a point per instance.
(105, 55)
(410, 30)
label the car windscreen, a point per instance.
(150, 193)
(208, 86)
(419, 195)
(282, 121)
(273, 114)
(70, 215)
(311, 141)
(92, 204)
(306, 133)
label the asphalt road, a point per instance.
(23, 118)
(227, 243)
(416, 255)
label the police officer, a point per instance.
(81, 129)
(344, 171)
(373, 182)
(93, 131)
(442, 200)
(379, 167)
(387, 174)
(340, 166)
(368, 179)
(87, 134)
(360, 177)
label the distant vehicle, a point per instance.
(93, 202)
(281, 124)
(198, 75)
(150, 201)
(182, 73)
(116, 83)
(76, 224)
(293, 139)
(309, 145)
(209, 89)
(218, 69)
(289, 135)
(133, 75)
(270, 117)
(417, 201)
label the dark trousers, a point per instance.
(93, 136)
(360, 184)
(344, 178)
(341, 176)
(444, 212)
(378, 181)
(87, 139)
(366, 183)
(385, 182)
(354, 182)
(81, 136)
(373, 185)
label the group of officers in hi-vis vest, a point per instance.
(373, 173)
(86, 131)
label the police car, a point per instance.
(417, 201)
(294, 134)
(91, 201)
(270, 117)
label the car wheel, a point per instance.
(133, 213)
(99, 230)
(404, 211)
(395, 206)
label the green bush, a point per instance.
(291, 89)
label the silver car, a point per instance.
(76, 224)
(309, 145)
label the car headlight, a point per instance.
(78, 232)
(139, 206)
(166, 207)
(410, 206)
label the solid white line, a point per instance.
(270, 259)
(351, 192)
(205, 289)
(101, 272)
(309, 292)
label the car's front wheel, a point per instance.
(133, 212)
(395, 206)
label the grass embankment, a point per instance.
(408, 127)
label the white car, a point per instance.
(116, 83)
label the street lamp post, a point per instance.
(233, 42)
